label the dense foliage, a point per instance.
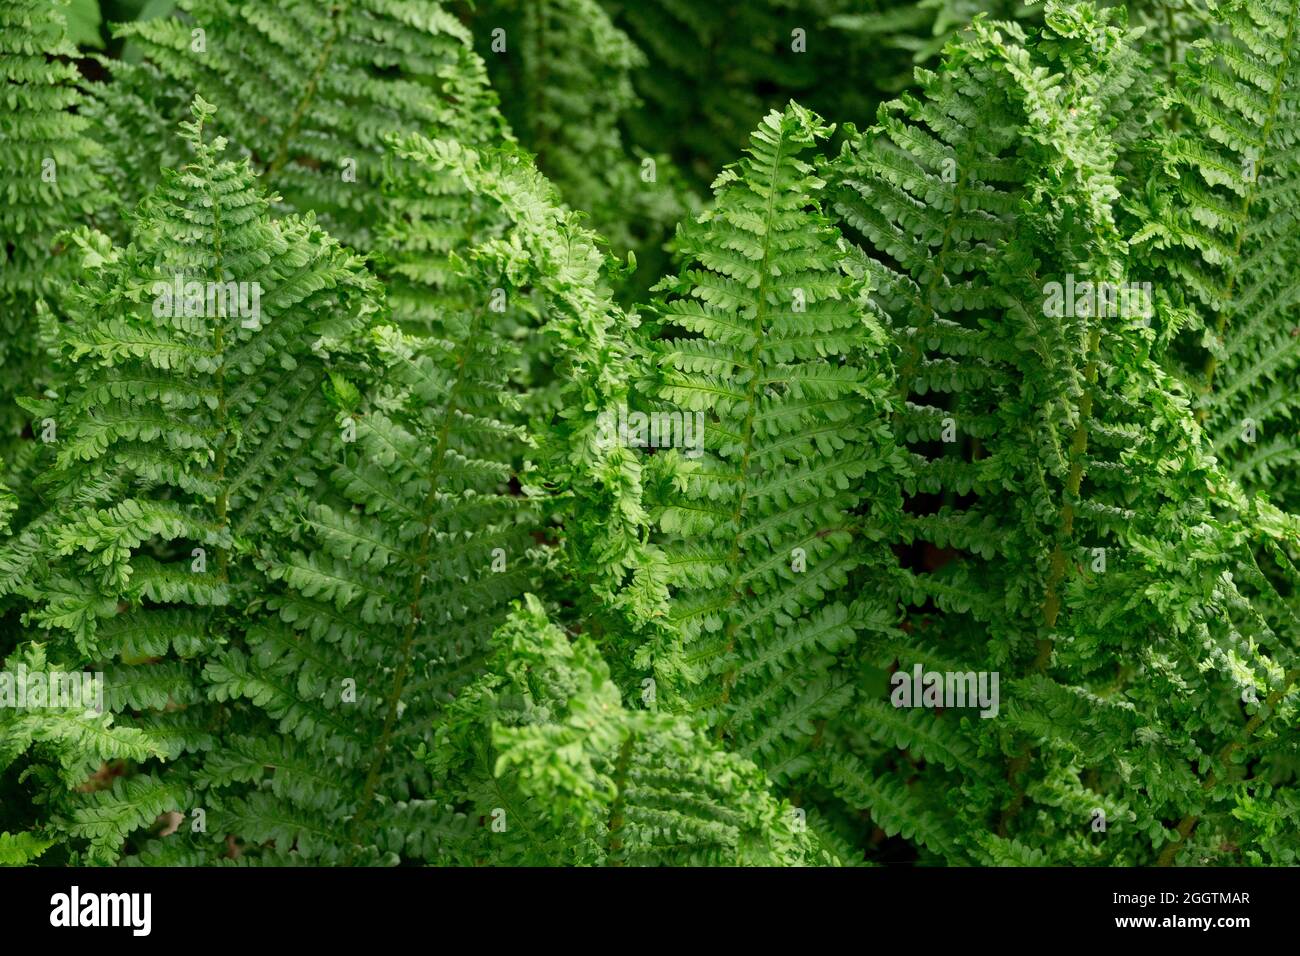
(579, 432)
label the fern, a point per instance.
(1220, 228)
(1058, 428)
(399, 567)
(17, 849)
(771, 342)
(373, 68)
(379, 70)
(564, 772)
(50, 185)
(398, 537)
(549, 265)
(378, 593)
(61, 747)
(173, 435)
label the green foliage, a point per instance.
(17, 849)
(565, 773)
(1029, 449)
(310, 91)
(49, 185)
(1218, 225)
(390, 581)
(1062, 425)
(770, 345)
(181, 435)
(564, 74)
(398, 537)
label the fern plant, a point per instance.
(1218, 226)
(50, 185)
(565, 773)
(373, 610)
(771, 344)
(392, 578)
(1063, 422)
(379, 71)
(1056, 427)
(398, 538)
(180, 430)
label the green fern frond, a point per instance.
(563, 71)
(50, 185)
(1218, 227)
(310, 92)
(769, 348)
(198, 354)
(561, 770)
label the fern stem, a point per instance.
(1073, 484)
(751, 395)
(222, 503)
(615, 827)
